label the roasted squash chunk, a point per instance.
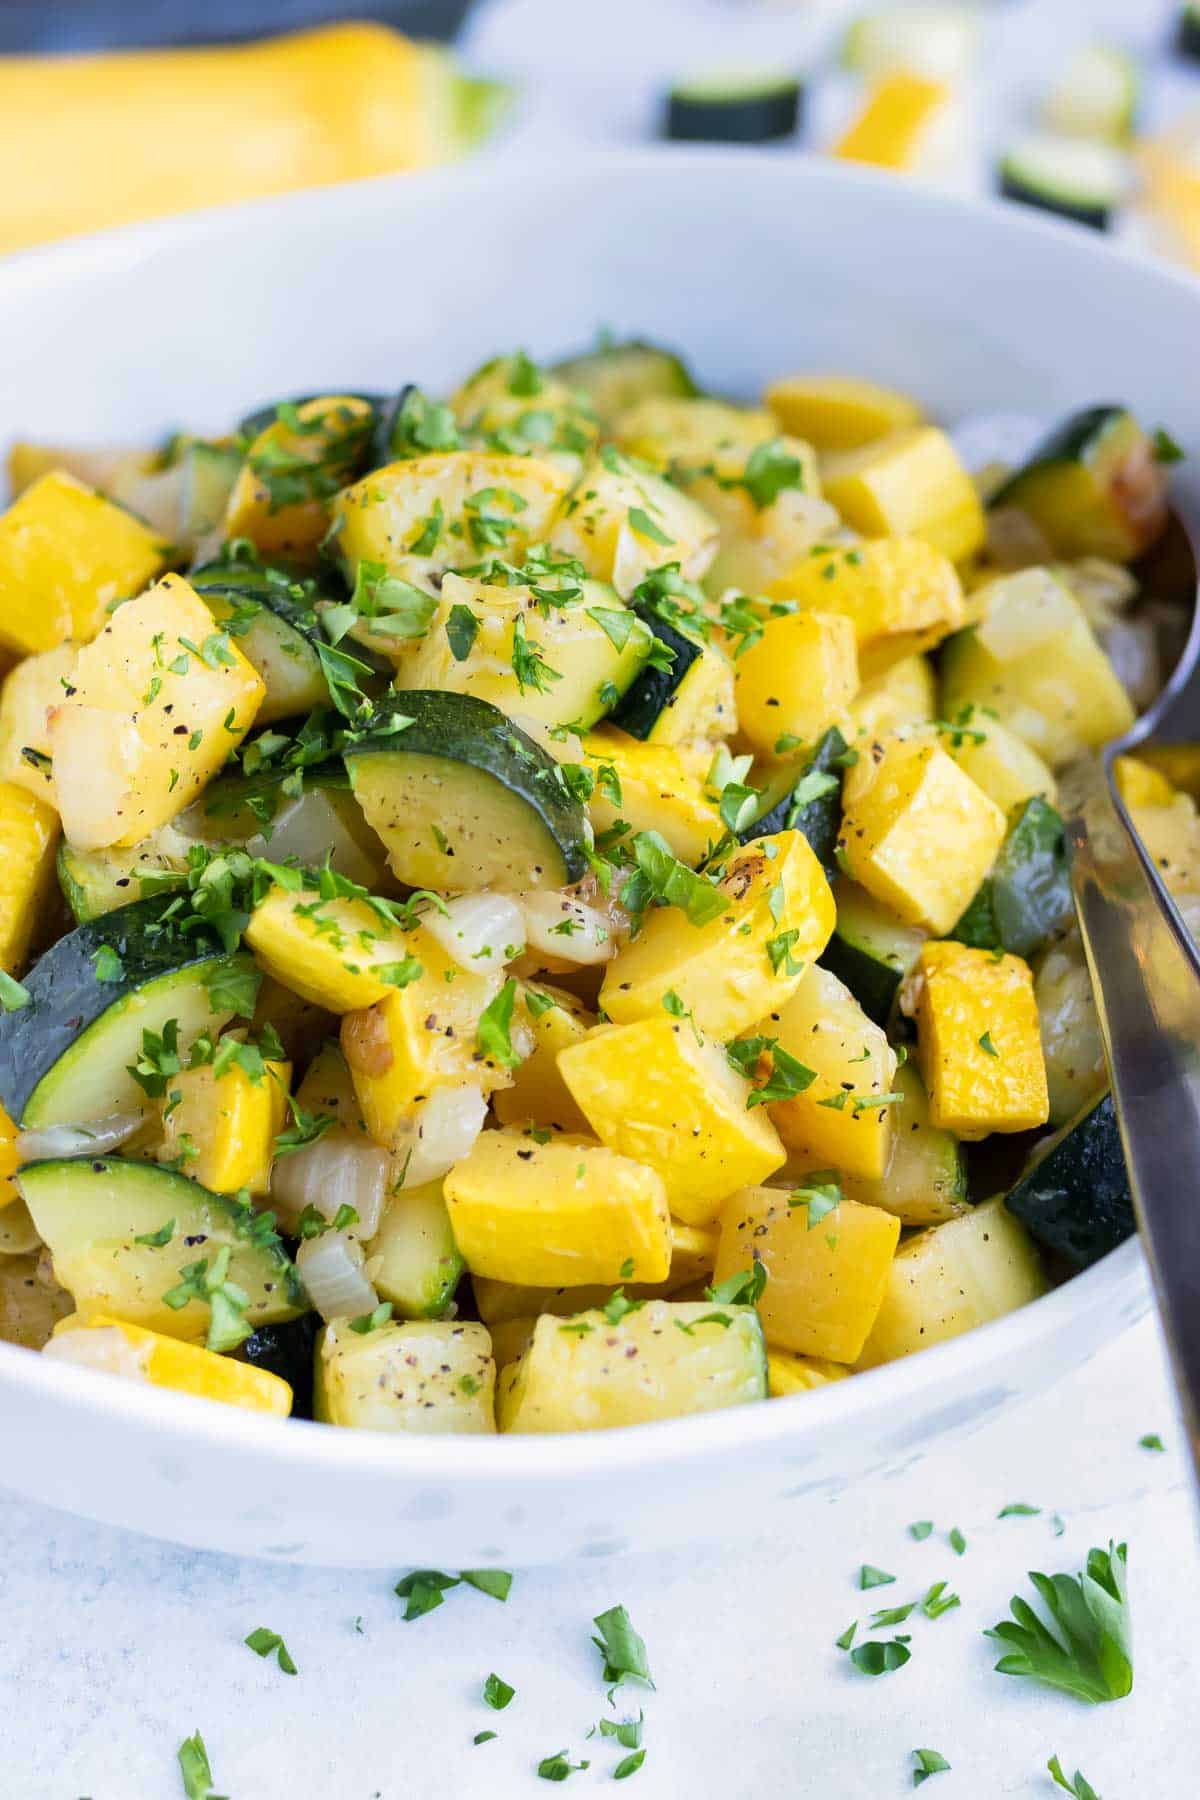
(28, 836)
(620, 522)
(294, 467)
(340, 954)
(844, 1116)
(910, 483)
(102, 1342)
(795, 681)
(979, 1041)
(839, 412)
(538, 1093)
(897, 592)
(222, 1128)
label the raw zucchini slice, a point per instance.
(420, 1266)
(1026, 900)
(871, 950)
(808, 800)
(1093, 486)
(64, 1058)
(1073, 177)
(91, 1213)
(277, 630)
(684, 691)
(743, 109)
(615, 377)
(463, 799)
(1074, 1197)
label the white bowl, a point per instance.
(752, 267)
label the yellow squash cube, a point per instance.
(948, 1280)
(837, 1119)
(825, 1282)
(658, 1092)
(733, 970)
(788, 1373)
(917, 832)
(693, 1254)
(1140, 783)
(10, 1161)
(910, 484)
(28, 838)
(979, 1041)
(418, 1038)
(900, 594)
(223, 1127)
(692, 434)
(102, 1342)
(620, 522)
(895, 126)
(328, 951)
(658, 792)
(160, 702)
(839, 412)
(904, 695)
(1009, 770)
(666, 1359)
(538, 1093)
(327, 1087)
(797, 679)
(65, 553)
(567, 1211)
(423, 1375)
(280, 500)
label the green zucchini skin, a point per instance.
(817, 819)
(1074, 439)
(1026, 901)
(256, 422)
(67, 1000)
(752, 115)
(287, 1349)
(873, 982)
(386, 414)
(616, 376)
(652, 690)
(474, 735)
(1187, 37)
(871, 956)
(1075, 1197)
(1027, 192)
(263, 585)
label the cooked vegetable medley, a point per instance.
(546, 910)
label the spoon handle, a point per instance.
(1146, 976)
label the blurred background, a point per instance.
(116, 110)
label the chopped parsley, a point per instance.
(1088, 1652)
(305, 1129)
(623, 1651)
(462, 628)
(493, 1034)
(958, 1542)
(13, 995)
(195, 1770)
(820, 1194)
(929, 1762)
(1166, 450)
(743, 1289)
(1080, 1787)
(107, 964)
(558, 1767)
(227, 1303)
(787, 1076)
(877, 1657)
(771, 467)
(263, 1642)
(871, 1577)
(920, 1529)
(987, 1046)
(497, 1693)
(641, 522)
(528, 664)
(372, 1321)
(157, 1240)
(1151, 1441)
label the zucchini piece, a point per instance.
(925, 1182)
(464, 799)
(256, 422)
(1092, 486)
(1070, 1028)
(1096, 96)
(615, 377)
(64, 1058)
(871, 950)
(734, 109)
(1026, 901)
(186, 497)
(287, 1349)
(1187, 37)
(426, 1375)
(95, 882)
(808, 801)
(684, 691)
(661, 1361)
(1074, 178)
(1074, 1196)
(91, 1211)
(420, 1266)
(938, 41)
(277, 630)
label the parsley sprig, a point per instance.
(1086, 1650)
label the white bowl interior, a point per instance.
(751, 268)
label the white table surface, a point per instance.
(114, 1648)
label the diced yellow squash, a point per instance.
(979, 1043)
(570, 1210)
(28, 838)
(99, 469)
(418, 1038)
(425, 1375)
(917, 832)
(925, 1182)
(500, 397)
(825, 1283)
(659, 1092)
(904, 695)
(1033, 661)
(658, 792)
(10, 1161)
(901, 595)
(1138, 783)
(701, 705)
(160, 702)
(328, 951)
(65, 553)
(488, 505)
(510, 1339)
(1009, 770)
(797, 680)
(620, 522)
(280, 500)
(951, 1279)
(100, 1341)
(538, 1092)
(892, 130)
(693, 1254)
(18, 1233)
(691, 434)
(1180, 763)
(666, 1359)
(788, 1373)
(30, 690)
(839, 412)
(739, 966)
(222, 1128)
(1171, 835)
(837, 1119)
(910, 484)
(327, 1087)
(760, 543)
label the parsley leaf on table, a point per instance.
(1089, 1651)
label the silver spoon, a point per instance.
(1144, 962)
